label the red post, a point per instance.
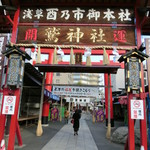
(13, 123)
(106, 100)
(131, 140)
(111, 105)
(2, 117)
(49, 76)
(15, 26)
(143, 127)
(20, 143)
(45, 113)
(106, 94)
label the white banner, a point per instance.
(137, 109)
(75, 91)
(9, 105)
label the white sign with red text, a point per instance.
(137, 111)
(75, 91)
(9, 105)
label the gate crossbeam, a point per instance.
(111, 69)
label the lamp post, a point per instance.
(133, 87)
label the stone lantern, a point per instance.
(133, 61)
(16, 58)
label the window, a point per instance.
(145, 82)
(57, 74)
(145, 74)
(84, 100)
(57, 81)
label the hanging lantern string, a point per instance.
(77, 46)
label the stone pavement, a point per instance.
(65, 139)
(60, 136)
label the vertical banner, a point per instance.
(54, 114)
(147, 41)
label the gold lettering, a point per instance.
(52, 34)
(97, 37)
(74, 35)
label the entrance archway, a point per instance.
(107, 69)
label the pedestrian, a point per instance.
(66, 114)
(76, 118)
(80, 112)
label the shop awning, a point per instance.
(50, 95)
(34, 79)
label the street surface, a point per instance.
(60, 136)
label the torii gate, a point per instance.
(49, 76)
(94, 52)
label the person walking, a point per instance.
(66, 113)
(76, 118)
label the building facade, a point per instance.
(86, 78)
(118, 80)
(62, 78)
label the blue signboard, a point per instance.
(50, 95)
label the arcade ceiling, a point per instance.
(11, 5)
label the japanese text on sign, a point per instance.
(75, 91)
(9, 105)
(77, 35)
(77, 14)
(137, 109)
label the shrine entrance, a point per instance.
(107, 69)
(106, 28)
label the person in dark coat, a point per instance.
(76, 117)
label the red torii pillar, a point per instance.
(106, 92)
(106, 101)
(49, 78)
(13, 123)
(143, 123)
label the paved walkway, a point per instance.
(65, 139)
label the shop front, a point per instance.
(31, 93)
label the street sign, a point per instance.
(137, 111)
(9, 105)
